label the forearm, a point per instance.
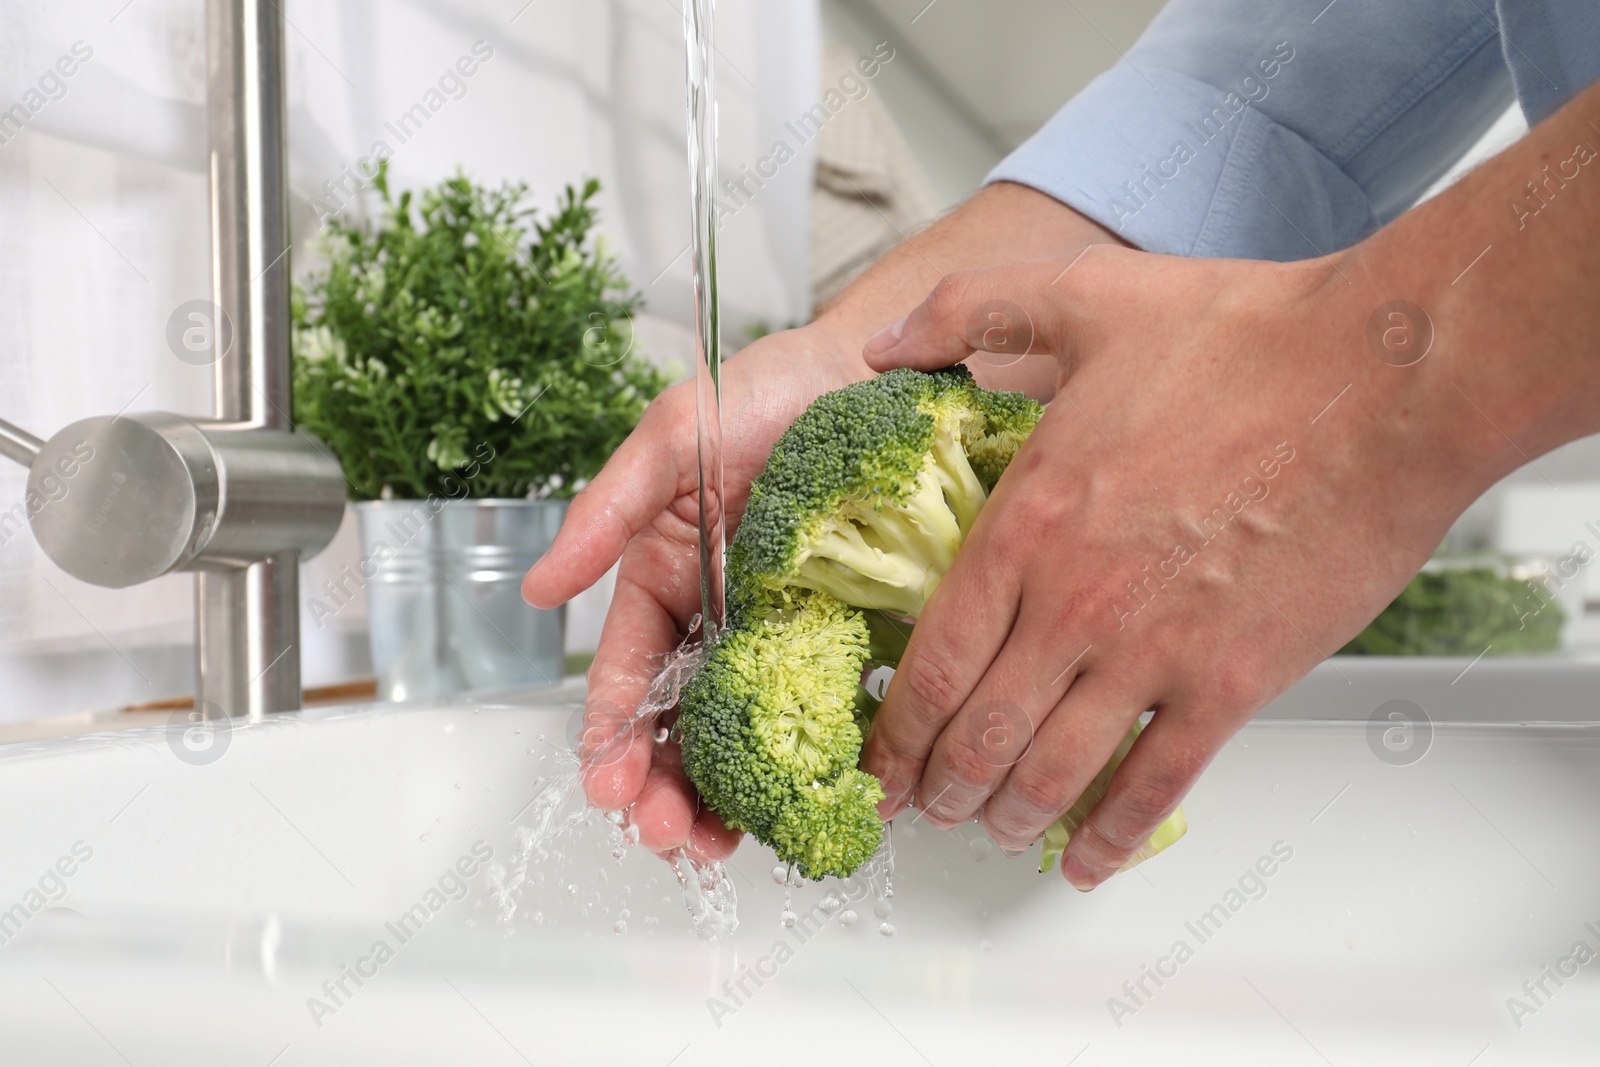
(1002, 223)
(1506, 265)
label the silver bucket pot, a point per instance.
(444, 603)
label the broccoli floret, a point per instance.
(856, 518)
(870, 493)
(770, 735)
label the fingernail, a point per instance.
(1081, 877)
(886, 338)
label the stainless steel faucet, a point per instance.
(119, 500)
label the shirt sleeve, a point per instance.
(1266, 129)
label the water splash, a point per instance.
(674, 670)
(709, 895)
(559, 809)
(556, 810)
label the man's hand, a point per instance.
(1243, 464)
(1181, 533)
(1228, 485)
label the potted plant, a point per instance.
(471, 365)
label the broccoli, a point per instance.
(1462, 611)
(858, 514)
(871, 492)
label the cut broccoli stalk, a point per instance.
(1061, 831)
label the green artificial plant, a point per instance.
(460, 340)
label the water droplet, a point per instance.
(780, 874)
(662, 733)
(795, 878)
(981, 848)
(888, 892)
(615, 817)
(619, 927)
(831, 903)
(632, 835)
(618, 853)
(624, 913)
(572, 889)
(887, 930)
(882, 909)
(847, 917)
(788, 919)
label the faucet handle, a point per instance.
(119, 500)
(18, 444)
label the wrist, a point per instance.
(1383, 413)
(1503, 265)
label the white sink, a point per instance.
(1414, 901)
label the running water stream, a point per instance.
(708, 890)
(700, 79)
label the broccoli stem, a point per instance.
(963, 490)
(845, 583)
(848, 560)
(923, 527)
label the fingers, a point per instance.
(709, 839)
(640, 479)
(1011, 312)
(623, 766)
(1162, 766)
(665, 811)
(641, 627)
(669, 814)
(964, 627)
(996, 728)
(1069, 750)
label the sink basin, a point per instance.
(181, 900)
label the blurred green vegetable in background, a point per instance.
(1461, 612)
(459, 335)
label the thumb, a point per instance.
(1003, 313)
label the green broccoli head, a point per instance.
(831, 828)
(871, 492)
(856, 518)
(770, 735)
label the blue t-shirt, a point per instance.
(1271, 129)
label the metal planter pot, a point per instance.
(444, 601)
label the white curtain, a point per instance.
(103, 226)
